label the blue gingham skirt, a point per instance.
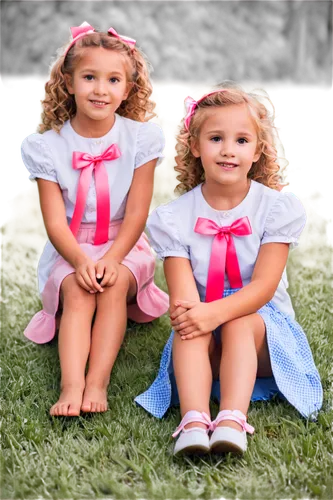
(295, 376)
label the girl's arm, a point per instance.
(180, 281)
(202, 318)
(267, 273)
(54, 216)
(136, 214)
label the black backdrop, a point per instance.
(281, 44)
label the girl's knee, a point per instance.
(201, 342)
(123, 281)
(230, 326)
(75, 297)
(251, 324)
(123, 286)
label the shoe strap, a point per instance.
(193, 416)
(236, 416)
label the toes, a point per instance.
(73, 411)
(101, 407)
(94, 407)
(58, 410)
(53, 410)
(63, 410)
(86, 406)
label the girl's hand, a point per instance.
(107, 270)
(176, 311)
(199, 319)
(86, 276)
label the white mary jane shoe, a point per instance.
(193, 441)
(227, 439)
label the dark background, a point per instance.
(281, 44)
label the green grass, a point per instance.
(126, 453)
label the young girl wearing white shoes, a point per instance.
(94, 162)
(225, 245)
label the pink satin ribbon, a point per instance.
(130, 41)
(223, 258)
(234, 415)
(191, 106)
(85, 29)
(193, 416)
(88, 163)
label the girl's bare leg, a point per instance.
(193, 374)
(244, 357)
(74, 345)
(107, 336)
(215, 357)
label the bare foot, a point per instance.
(69, 403)
(94, 399)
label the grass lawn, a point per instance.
(125, 453)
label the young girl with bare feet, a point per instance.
(225, 245)
(94, 159)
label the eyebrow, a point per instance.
(242, 133)
(88, 70)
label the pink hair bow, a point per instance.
(130, 41)
(85, 29)
(191, 105)
(79, 32)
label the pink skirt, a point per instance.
(151, 302)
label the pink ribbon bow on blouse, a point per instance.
(223, 257)
(88, 163)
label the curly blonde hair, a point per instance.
(266, 170)
(59, 106)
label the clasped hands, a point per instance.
(93, 276)
(191, 319)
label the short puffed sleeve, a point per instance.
(150, 144)
(164, 235)
(37, 158)
(285, 221)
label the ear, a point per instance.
(195, 148)
(256, 157)
(257, 154)
(69, 83)
(129, 87)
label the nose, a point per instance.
(227, 148)
(100, 87)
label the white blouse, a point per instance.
(49, 156)
(274, 217)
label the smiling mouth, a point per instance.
(100, 104)
(228, 166)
